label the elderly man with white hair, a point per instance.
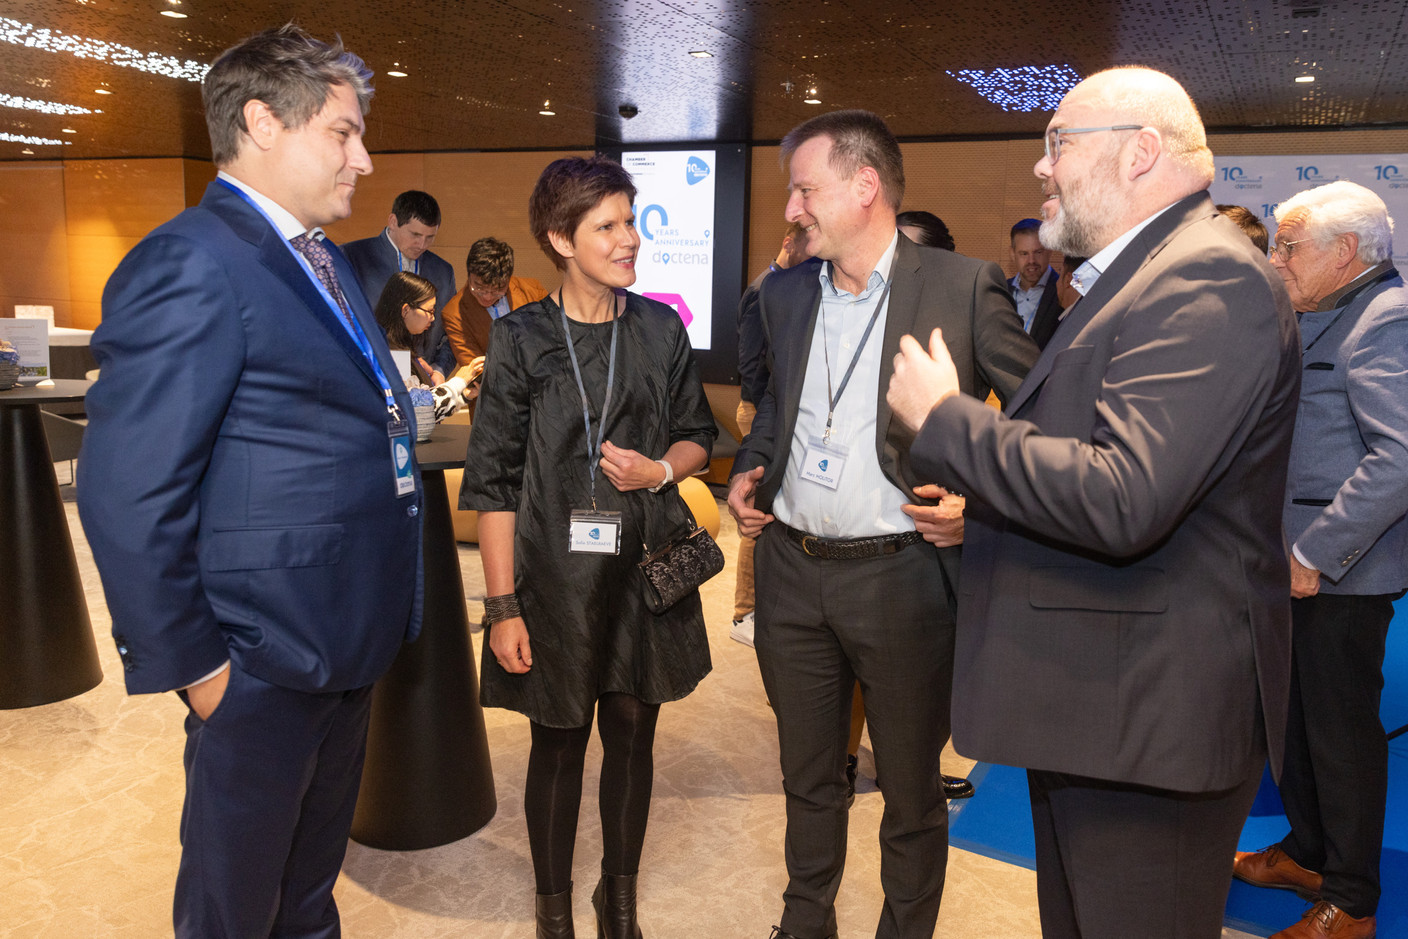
(1124, 622)
(1345, 502)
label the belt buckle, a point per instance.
(807, 542)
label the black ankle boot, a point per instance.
(554, 915)
(615, 903)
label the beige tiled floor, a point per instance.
(90, 795)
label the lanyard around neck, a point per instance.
(593, 450)
(834, 397)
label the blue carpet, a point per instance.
(996, 822)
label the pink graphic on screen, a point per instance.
(676, 301)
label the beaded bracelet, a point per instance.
(503, 607)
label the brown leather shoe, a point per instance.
(1270, 867)
(1324, 920)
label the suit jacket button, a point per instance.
(412, 510)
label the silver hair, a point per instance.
(1340, 208)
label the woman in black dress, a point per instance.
(591, 408)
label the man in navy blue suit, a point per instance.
(249, 490)
(404, 245)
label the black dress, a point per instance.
(588, 626)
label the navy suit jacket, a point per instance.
(236, 475)
(374, 260)
(1124, 610)
(1048, 313)
(1348, 486)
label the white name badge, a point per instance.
(823, 463)
(594, 532)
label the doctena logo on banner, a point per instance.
(1389, 173)
(1311, 174)
(695, 170)
(1239, 179)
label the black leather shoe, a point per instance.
(777, 933)
(956, 787)
(852, 767)
(615, 904)
(554, 915)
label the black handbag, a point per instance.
(674, 571)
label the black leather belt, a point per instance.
(839, 549)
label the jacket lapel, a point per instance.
(1126, 264)
(901, 309)
(250, 225)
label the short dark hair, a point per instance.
(566, 191)
(1030, 225)
(1246, 220)
(932, 230)
(1069, 263)
(288, 70)
(858, 139)
(414, 204)
(491, 260)
(403, 287)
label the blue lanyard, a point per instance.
(400, 260)
(349, 321)
(593, 451)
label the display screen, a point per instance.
(675, 218)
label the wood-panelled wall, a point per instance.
(67, 224)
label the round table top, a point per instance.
(63, 389)
(445, 449)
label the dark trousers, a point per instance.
(1116, 861)
(1335, 781)
(271, 785)
(820, 626)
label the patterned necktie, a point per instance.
(321, 260)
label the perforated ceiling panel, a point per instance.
(479, 71)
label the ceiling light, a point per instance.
(396, 72)
(701, 54)
(1026, 88)
(51, 40)
(174, 13)
(811, 97)
(68, 130)
(28, 151)
(44, 107)
(546, 110)
(21, 138)
(1304, 79)
(101, 91)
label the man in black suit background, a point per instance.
(850, 583)
(1034, 284)
(1124, 627)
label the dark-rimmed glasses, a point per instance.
(1284, 249)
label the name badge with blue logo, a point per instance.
(401, 468)
(591, 532)
(823, 463)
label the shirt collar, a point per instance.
(1016, 280)
(1088, 273)
(886, 263)
(1343, 296)
(282, 218)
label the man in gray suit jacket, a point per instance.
(1124, 621)
(1344, 516)
(849, 561)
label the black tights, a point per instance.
(552, 796)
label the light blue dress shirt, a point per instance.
(865, 502)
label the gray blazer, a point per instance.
(1348, 487)
(1125, 603)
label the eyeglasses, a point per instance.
(1054, 135)
(430, 312)
(1284, 249)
